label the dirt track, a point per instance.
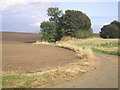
(19, 55)
(106, 76)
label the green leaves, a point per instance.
(49, 28)
(73, 21)
(111, 30)
(55, 13)
(83, 33)
(48, 31)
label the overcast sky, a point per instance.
(26, 15)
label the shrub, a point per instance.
(83, 33)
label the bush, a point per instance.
(111, 30)
(83, 33)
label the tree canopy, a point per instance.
(49, 28)
(48, 31)
(55, 13)
(111, 30)
(73, 21)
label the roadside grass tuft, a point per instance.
(107, 52)
(15, 79)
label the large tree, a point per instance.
(73, 21)
(111, 30)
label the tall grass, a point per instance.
(81, 52)
(109, 46)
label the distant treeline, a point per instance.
(73, 23)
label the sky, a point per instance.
(26, 15)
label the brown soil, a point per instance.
(19, 54)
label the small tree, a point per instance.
(48, 31)
(49, 28)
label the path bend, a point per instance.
(106, 76)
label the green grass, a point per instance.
(20, 80)
(107, 52)
(33, 80)
(108, 46)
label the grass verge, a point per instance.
(108, 46)
(107, 52)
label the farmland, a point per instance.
(48, 68)
(30, 65)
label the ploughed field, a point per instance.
(19, 54)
